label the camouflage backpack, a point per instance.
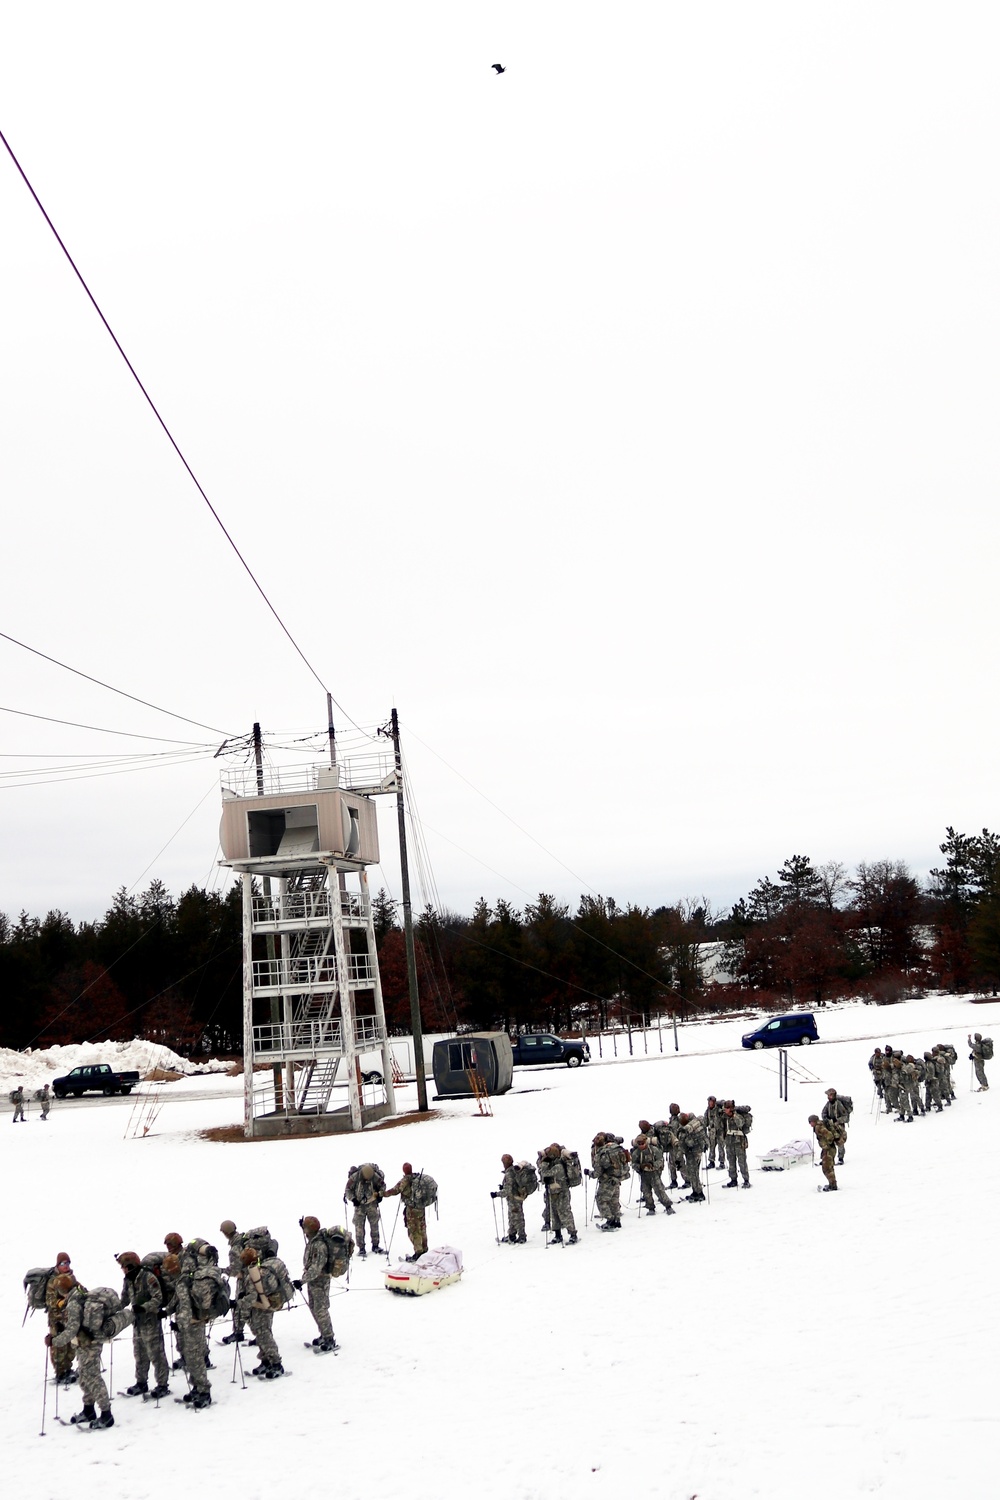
(276, 1282)
(423, 1190)
(986, 1043)
(260, 1239)
(664, 1135)
(339, 1249)
(574, 1172)
(99, 1310)
(747, 1113)
(525, 1179)
(36, 1284)
(951, 1054)
(838, 1132)
(209, 1294)
(616, 1161)
(848, 1102)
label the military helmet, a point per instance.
(831, 1093)
(228, 1228)
(644, 1125)
(173, 1242)
(507, 1159)
(310, 1224)
(814, 1119)
(128, 1258)
(407, 1169)
(368, 1171)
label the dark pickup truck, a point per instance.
(543, 1048)
(99, 1076)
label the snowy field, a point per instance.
(781, 1343)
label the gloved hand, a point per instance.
(48, 1341)
(297, 1285)
(163, 1313)
(232, 1305)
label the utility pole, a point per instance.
(411, 956)
(330, 734)
(258, 755)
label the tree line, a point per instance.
(169, 969)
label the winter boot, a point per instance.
(668, 1208)
(89, 1414)
(363, 1254)
(327, 1346)
(201, 1399)
(104, 1420)
(233, 1338)
(69, 1378)
(733, 1183)
(573, 1238)
(651, 1210)
(274, 1371)
(831, 1187)
(557, 1237)
(139, 1389)
(159, 1391)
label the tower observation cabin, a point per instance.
(300, 839)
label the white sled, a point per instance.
(783, 1157)
(434, 1269)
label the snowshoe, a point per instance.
(557, 1237)
(201, 1400)
(89, 1414)
(158, 1392)
(573, 1239)
(104, 1420)
(139, 1389)
(730, 1184)
(274, 1372)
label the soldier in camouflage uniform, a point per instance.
(693, 1139)
(674, 1152)
(932, 1084)
(142, 1292)
(913, 1074)
(715, 1127)
(256, 1304)
(55, 1302)
(945, 1058)
(88, 1353)
(555, 1178)
(44, 1098)
(826, 1135)
(609, 1164)
(414, 1215)
(17, 1099)
(510, 1193)
(890, 1083)
(978, 1058)
(316, 1280)
(875, 1064)
(236, 1243)
(904, 1077)
(836, 1110)
(736, 1145)
(364, 1195)
(191, 1330)
(647, 1161)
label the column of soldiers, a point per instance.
(677, 1145)
(898, 1079)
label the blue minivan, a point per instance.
(784, 1031)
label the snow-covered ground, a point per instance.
(784, 1344)
(34, 1068)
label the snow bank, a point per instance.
(35, 1068)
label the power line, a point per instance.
(455, 772)
(99, 729)
(120, 691)
(170, 437)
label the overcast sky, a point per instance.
(628, 420)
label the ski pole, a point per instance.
(394, 1223)
(586, 1211)
(239, 1357)
(45, 1387)
(496, 1232)
(708, 1190)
